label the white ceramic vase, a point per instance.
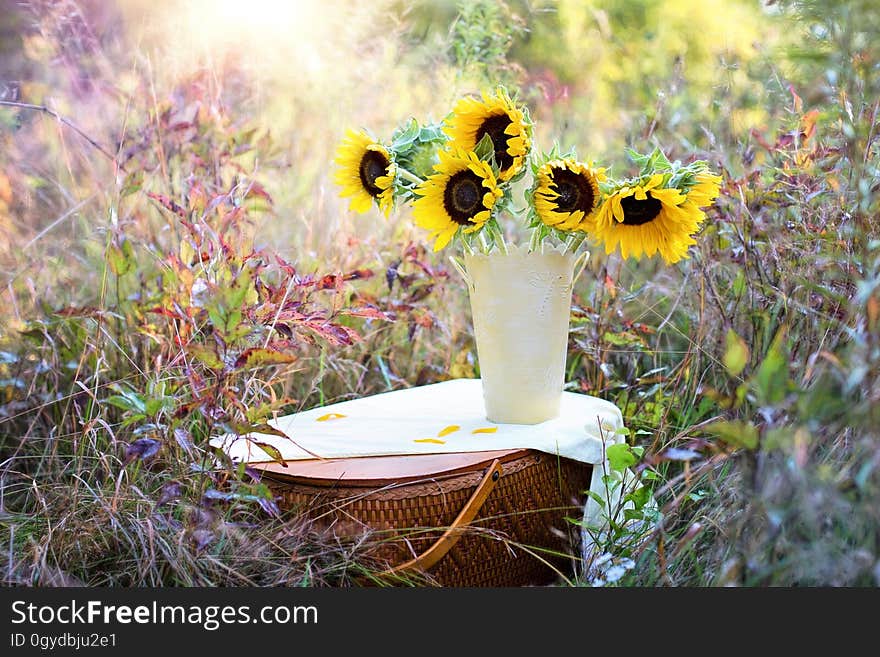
(520, 303)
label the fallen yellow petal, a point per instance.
(485, 430)
(330, 416)
(430, 440)
(452, 428)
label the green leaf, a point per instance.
(133, 419)
(736, 354)
(120, 257)
(778, 438)
(485, 149)
(735, 432)
(256, 357)
(698, 495)
(156, 404)
(133, 183)
(637, 158)
(621, 339)
(620, 456)
(597, 498)
(217, 314)
(640, 496)
(268, 430)
(206, 355)
(421, 159)
(233, 321)
(771, 381)
(633, 514)
(127, 401)
(271, 450)
(431, 132)
(659, 161)
(650, 475)
(739, 284)
(153, 406)
(611, 481)
(403, 138)
(241, 331)
(239, 289)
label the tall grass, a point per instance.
(186, 268)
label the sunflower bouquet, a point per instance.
(459, 176)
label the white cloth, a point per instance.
(398, 422)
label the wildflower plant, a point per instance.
(459, 177)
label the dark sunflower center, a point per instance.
(495, 126)
(636, 212)
(373, 165)
(463, 197)
(575, 192)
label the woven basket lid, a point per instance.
(382, 470)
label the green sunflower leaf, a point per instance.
(430, 133)
(485, 149)
(659, 161)
(637, 158)
(406, 136)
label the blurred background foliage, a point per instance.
(197, 152)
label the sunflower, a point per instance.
(460, 195)
(496, 116)
(705, 190)
(567, 194)
(366, 172)
(646, 218)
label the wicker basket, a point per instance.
(466, 519)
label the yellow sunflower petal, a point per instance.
(350, 160)
(566, 193)
(706, 189)
(617, 209)
(669, 233)
(494, 114)
(433, 211)
(444, 238)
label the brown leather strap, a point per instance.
(451, 536)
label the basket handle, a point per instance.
(451, 536)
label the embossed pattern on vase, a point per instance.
(520, 304)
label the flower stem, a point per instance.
(409, 175)
(484, 243)
(466, 244)
(533, 241)
(574, 242)
(498, 235)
